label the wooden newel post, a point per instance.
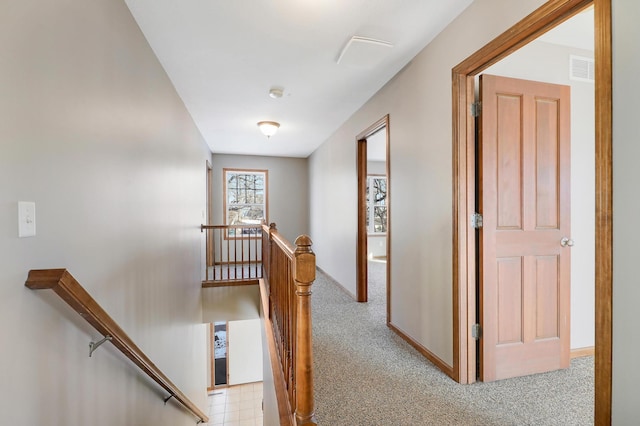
(304, 276)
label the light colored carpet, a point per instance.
(366, 375)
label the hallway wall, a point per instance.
(626, 208)
(93, 132)
(418, 100)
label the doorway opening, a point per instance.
(562, 56)
(373, 246)
(546, 17)
(235, 353)
(219, 371)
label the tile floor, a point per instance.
(239, 405)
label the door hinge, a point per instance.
(476, 221)
(476, 331)
(476, 109)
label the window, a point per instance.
(376, 204)
(245, 197)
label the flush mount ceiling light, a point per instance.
(268, 128)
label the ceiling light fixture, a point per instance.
(268, 128)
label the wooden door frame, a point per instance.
(362, 287)
(538, 22)
(212, 360)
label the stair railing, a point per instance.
(289, 272)
(233, 253)
(285, 273)
(70, 290)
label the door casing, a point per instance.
(535, 24)
(361, 246)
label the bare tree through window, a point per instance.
(245, 198)
(376, 204)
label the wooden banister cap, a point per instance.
(303, 243)
(45, 278)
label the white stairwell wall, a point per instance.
(93, 132)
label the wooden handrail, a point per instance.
(203, 226)
(70, 290)
(290, 271)
(288, 248)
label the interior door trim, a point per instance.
(361, 247)
(549, 15)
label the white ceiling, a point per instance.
(223, 56)
(578, 31)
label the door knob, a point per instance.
(566, 242)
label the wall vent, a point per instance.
(581, 68)
(363, 52)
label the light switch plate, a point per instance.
(26, 219)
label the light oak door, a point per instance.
(524, 197)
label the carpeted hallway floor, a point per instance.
(366, 375)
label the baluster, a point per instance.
(242, 254)
(247, 260)
(241, 247)
(212, 241)
(259, 257)
(208, 248)
(230, 241)
(235, 253)
(215, 242)
(220, 237)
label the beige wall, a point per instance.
(230, 303)
(418, 100)
(288, 189)
(626, 207)
(93, 132)
(376, 168)
(244, 351)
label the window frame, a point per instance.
(226, 204)
(370, 204)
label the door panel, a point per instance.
(547, 297)
(509, 296)
(524, 199)
(509, 167)
(546, 162)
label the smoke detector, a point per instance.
(276, 92)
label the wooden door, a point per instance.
(524, 170)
